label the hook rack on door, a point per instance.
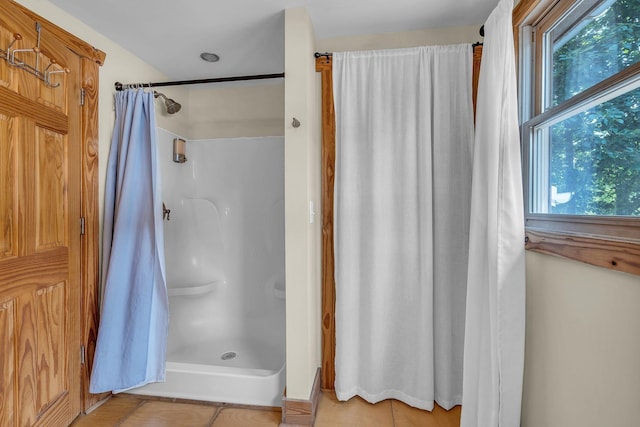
(9, 55)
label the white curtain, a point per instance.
(494, 333)
(404, 130)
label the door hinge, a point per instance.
(81, 96)
(82, 226)
(82, 354)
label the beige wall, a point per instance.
(302, 240)
(453, 35)
(582, 363)
(232, 110)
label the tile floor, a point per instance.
(135, 411)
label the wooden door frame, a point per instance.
(324, 65)
(91, 59)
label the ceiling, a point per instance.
(248, 35)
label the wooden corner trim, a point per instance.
(296, 412)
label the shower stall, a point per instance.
(224, 251)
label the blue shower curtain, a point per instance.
(132, 336)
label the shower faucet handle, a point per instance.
(166, 213)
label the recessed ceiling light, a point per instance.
(209, 57)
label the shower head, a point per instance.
(171, 105)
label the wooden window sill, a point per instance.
(620, 255)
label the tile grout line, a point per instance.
(393, 418)
(215, 416)
(131, 412)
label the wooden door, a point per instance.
(40, 178)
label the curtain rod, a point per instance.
(329, 54)
(123, 86)
(321, 54)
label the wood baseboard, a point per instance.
(301, 413)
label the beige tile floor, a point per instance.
(135, 411)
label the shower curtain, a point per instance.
(131, 345)
(494, 333)
(404, 128)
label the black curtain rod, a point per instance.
(122, 86)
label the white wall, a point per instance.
(302, 177)
(582, 363)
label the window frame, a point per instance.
(605, 241)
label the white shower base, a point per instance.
(247, 354)
(255, 376)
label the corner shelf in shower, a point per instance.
(192, 290)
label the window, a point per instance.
(580, 95)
